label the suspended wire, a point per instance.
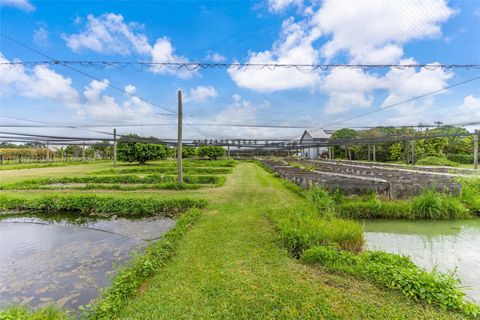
(193, 66)
(402, 102)
(66, 65)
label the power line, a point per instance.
(192, 66)
(58, 62)
(404, 101)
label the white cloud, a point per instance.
(374, 31)
(100, 106)
(109, 33)
(468, 111)
(280, 5)
(39, 82)
(348, 89)
(215, 57)
(294, 46)
(163, 52)
(40, 36)
(201, 94)
(20, 4)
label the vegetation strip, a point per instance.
(168, 169)
(130, 277)
(169, 181)
(316, 236)
(396, 272)
(91, 204)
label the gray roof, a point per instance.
(317, 134)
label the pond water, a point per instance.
(447, 245)
(64, 261)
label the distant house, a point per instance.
(312, 137)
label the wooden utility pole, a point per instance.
(475, 149)
(369, 153)
(228, 150)
(48, 153)
(83, 152)
(374, 154)
(114, 147)
(406, 151)
(179, 142)
(413, 152)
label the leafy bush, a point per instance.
(189, 152)
(211, 152)
(142, 152)
(470, 195)
(86, 204)
(374, 208)
(131, 276)
(396, 272)
(464, 158)
(435, 205)
(167, 170)
(302, 228)
(437, 161)
(322, 201)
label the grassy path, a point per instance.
(232, 266)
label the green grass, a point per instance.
(437, 161)
(93, 204)
(19, 166)
(167, 170)
(231, 265)
(23, 313)
(396, 272)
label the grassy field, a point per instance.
(232, 265)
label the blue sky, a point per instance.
(272, 31)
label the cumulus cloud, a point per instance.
(215, 57)
(100, 106)
(40, 36)
(108, 33)
(280, 5)
(374, 31)
(201, 94)
(295, 45)
(468, 111)
(39, 82)
(20, 4)
(348, 89)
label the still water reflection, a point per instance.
(447, 245)
(45, 260)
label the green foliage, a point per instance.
(189, 152)
(130, 277)
(301, 228)
(167, 170)
(322, 200)
(470, 195)
(211, 152)
(435, 205)
(428, 205)
(464, 158)
(86, 204)
(396, 272)
(136, 151)
(23, 313)
(437, 161)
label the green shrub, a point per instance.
(322, 201)
(461, 158)
(396, 272)
(167, 170)
(91, 204)
(131, 276)
(23, 313)
(470, 195)
(437, 161)
(302, 228)
(435, 205)
(211, 152)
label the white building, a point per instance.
(312, 137)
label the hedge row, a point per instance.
(168, 169)
(91, 204)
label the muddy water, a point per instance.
(64, 261)
(447, 245)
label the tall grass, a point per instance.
(86, 204)
(396, 272)
(301, 228)
(435, 205)
(470, 195)
(23, 313)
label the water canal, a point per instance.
(447, 245)
(66, 261)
